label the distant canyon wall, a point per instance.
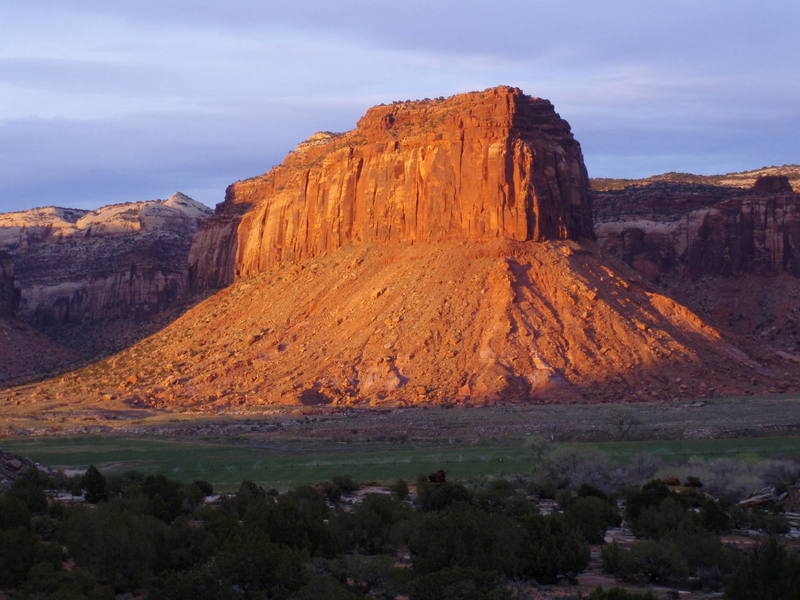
(77, 266)
(690, 231)
(733, 255)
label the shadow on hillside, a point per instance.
(87, 343)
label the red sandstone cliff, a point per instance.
(439, 252)
(477, 167)
(732, 254)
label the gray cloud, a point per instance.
(104, 101)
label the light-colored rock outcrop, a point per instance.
(122, 260)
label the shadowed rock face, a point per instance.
(731, 254)
(696, 230)
(77, 266)
(473, 167)
(440, 252)
(9, 295)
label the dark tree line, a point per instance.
(149, 535)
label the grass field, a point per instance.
(226, 465)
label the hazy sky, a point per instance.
(104, 101)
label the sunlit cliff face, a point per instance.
(441, 252)
(475, 167)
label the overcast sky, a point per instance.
(104, 102)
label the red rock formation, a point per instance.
(454, 322)
(438, 253)
(699, 230)
(731, 254)
(773, 184)
(478, 166)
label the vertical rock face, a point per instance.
(123, 260)
(731, 254)
(696, 230)
(475, 167)
(9, 295)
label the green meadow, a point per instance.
(226, 465)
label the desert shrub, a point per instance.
(47, 580)
(458, 584)
(759, 520)
(116, 545)
(649, 495)
(375, 576)
(671, 560)
(345, 483)
(701, 550)
(619, 594)
(464, 536)
(400, 489)
(713, 517)
(165, 496)
(331, 491)
(668, 516)
(376, 524)
(94, 485)
(431, 496)
(592, 515)
(586, 491)
(296, 519)
(185, 546)
(334, 489)
(323, 586)
(767, 573)
(256, 564)
(646, 562)
(30, 492)
(500, 495)
(570, 467)
(19, 551)
(552, 548)
(14, 513)
(192, 585)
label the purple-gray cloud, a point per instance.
(103, 102)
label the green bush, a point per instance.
(256, 564)
(646, 562)
(464, 536)
(592, 516)
(94, 485)
(431, 496)
(376, 524)
(619, 594)
(458, 584)
(400, 489)
(767, 573)
(552, 548)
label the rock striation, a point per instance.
(720, 250)
(9, 294)
(476, 167)
(441, 252)
(698, 230)
(120, 261)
